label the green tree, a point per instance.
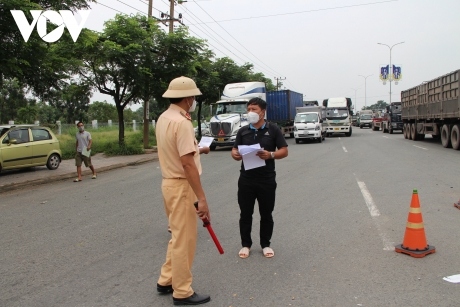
(102, 111)
(379, 105)
(31, 62)
(133, 60)
(47, 114)
(28, 114)
(12, 98)
(72, 101)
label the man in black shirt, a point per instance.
(258, 183)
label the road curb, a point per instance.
(16, 185)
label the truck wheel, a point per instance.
(320, 139)
(413, 132)
(405, 131)
(297, 141)
(291, 135)
(445, 136)
(455, 137)
(390, 130)
(408, 131)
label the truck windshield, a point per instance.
(366, 116)
(224, 108)
(336, 113)
(306, 118)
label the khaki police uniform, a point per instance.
(176, 138)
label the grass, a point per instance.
(105, 140)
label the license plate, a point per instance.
(220, 139)
(336, 128)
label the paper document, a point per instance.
(205, 141)
(250, 160)
(453, 279)
(86, 152)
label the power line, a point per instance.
(303, 12)
(276, 73)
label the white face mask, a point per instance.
(193, 106)
(253, 117)
(81, 128)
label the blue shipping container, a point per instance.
(281, 105)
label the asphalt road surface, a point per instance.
(341, 207)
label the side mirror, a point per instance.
(12, 141)
(321, 121)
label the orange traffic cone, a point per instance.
(414, 243)
(457, 205)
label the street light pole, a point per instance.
(356, 103)
(390, 68)
(365, 89)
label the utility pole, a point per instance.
(146, 103)
(171, 16)
(278, 82)
(150, 8)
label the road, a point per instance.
(341, 207)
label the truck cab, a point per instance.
(308, 124)
(392, 120)
(231, 111)
(365, 119)
(338, 117)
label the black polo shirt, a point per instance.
(269, 137)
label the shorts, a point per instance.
(79, 158)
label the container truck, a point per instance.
(281, 109)
(392, 118)
(308, 124)
(433, 107)
(231, 111)
(338, 116)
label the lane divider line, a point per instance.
(375, 213)
(344, 149)
(420, 147)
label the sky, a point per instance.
(322, 49)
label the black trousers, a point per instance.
(264, 190)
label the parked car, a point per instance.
(28, 145)
(205, 129)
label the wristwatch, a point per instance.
(272, 154)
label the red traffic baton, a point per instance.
(207, 224)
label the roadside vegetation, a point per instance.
(105, 140)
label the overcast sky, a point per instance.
(320, 47)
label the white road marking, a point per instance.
(420, 147)
(385, 137)
(343, 147)
(375, 213)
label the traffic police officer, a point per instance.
(179, 158)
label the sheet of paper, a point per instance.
(205, 141)
(250, 160)
(453, 279)
(86, 152)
